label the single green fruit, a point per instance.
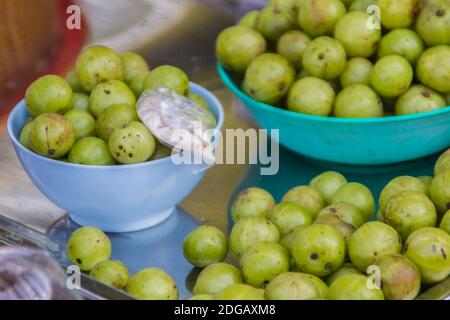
(73, 81)
(168, 77)
(327, 184)
(88, 246)
(112, 273)
(97, 64)
(110, 93)
(445, 222)
(371, 240)
(133, 65)
(429, 249)
(391, 76)
(319, 17)
(398, 13)
(250, 19)
(358, 101)
(269, 78)
(273, 22)
(24, 138)
(292, 45)
(199, 100)
(433, 22)
(252, 202)
(319, 249)
(347, 212)
(419, 99)
(433, 68)
(91, 151)
(152, 284)
(83, 123)
(307, 197)
(362, 5)
(292, 286)
(287, 216)
(440, 191)
(344, 228)
(216, 277)
(205, 245)
(137, 84)
(324, 58)
(442, 163)
(238, 46)
(402, 42)
(357, 195)
(358, 38)
(48, 94)
(133, 143)
(114, 117)
(357, 71)
(80, 101)
(400, 184)
(249, 231)
(52, 135)
(353, 287)
(240, 291)
(311, 96)
(347, 268)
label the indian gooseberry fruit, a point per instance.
(344, 228)
(398, 13)
(24, 137)
(273, 22)
(402, 42)
(250, 19)
(288, 215)
(307, 197)
(291, 45)
(52, 135)
(137, 84)
(289, 6)
(252, 202)
(152, 284)
(428, 249)
(82, 121)
(292, 286)
(238, 46)
(319, 17)
(216, 277)
(400, 278)
(358, 101)
(112, 273)
(268, 78)
(347, 268)
(440, 191)
(114, 117)
(357, 195)
(442, 163)
(91, 151)
(168, 77)
(391, 76)
(312, 96)
(433, 22)
(400, 184)
(98, 64)
(88, 246)
(133, 65)
(419, 99)
(205, 245)
(357, 70)
(327, 183)
(353, 287)
(321, 286)
(240, 291)
(110, 93)
(347, 212)
(371, 240)
(445, 222)
(80, 101)
(433, 68)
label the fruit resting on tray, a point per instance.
(90, 118)
(318, 243)
(348, 59)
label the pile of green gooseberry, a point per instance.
(338, 58)
(318, 243)
(90, 118)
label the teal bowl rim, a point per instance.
(21, 104)
(230, 84)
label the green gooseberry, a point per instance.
(24, 137)
(391, 76)
(292, 286)
(307, 197)
(168, 77)
(152, 284)
(216, 277)
(353, 287)
(288, 215)
(419, 99)
(114, 117)
(91, 151)
(112, 273)
(110, 93)
(291, 45)
(252, 202)
(358, 101)
(240, 291)
(357, 195)
(80, 101)
(357, 70)
(402, 42)
(433, 68)
(133, 65)
(82, 121)
(318, 18)
(250, 19)
(327, 183)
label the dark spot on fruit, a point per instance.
(282, 86)
(276, 10)
(405, 247)
(440, 12)
(138, 135)
(443, 253)
(334, 210)
(107, 91)
(129, 135)
(375, 253)
(426, 93)
(329, 266)
(186, 92)
(321, 56)
(252, 92)
(117, 154)
(98, 241)
(433, 248)
(79, 261)
(120, 147)
(448, 206)
(314, 256)
(51, 151)
(130, 155)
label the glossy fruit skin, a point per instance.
(347, 212)
(324, 58)
(114, 117)
(440, 191)
(238, 46)
(419, 99)
(400, 184)
(205, 245)
(273, 22)
(371, 240)
(402, 42)
(312, 96)
(319, 17)
(216, 277)
(426, 180)
(112, 273)
(110, 93)
(433, 68)
(137, 84)
(133, 143)
(52, 135)
(358, 40)
(83, 123)
(442, 163)
(292, 286)
(307, 197)
(347, 268)
(199, 100)
(391, 76)
(167, 77)
(249, 231)
(429, 249)
(268, 78)
(133, 65)
(97, 64)
(250, 19)
(91, 151)
(409, 211)
(48, 94)
(290, 238)
(319, 250)
(445, 222)
(327, 184)
(287, 216)
(291, 45)
(357, 70)
(357, 195)
(344, 228)
(262, 262)
(398, 13)
(80, 101)
(433, 23)
(88, 246)
(400, 278)
(152, 284)
(24, 138)
(252, 202)
(358, 101)
(353, 287)
(240, 291)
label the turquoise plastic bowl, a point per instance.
(374, 141)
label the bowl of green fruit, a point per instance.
(83, 143)
(341, 84)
